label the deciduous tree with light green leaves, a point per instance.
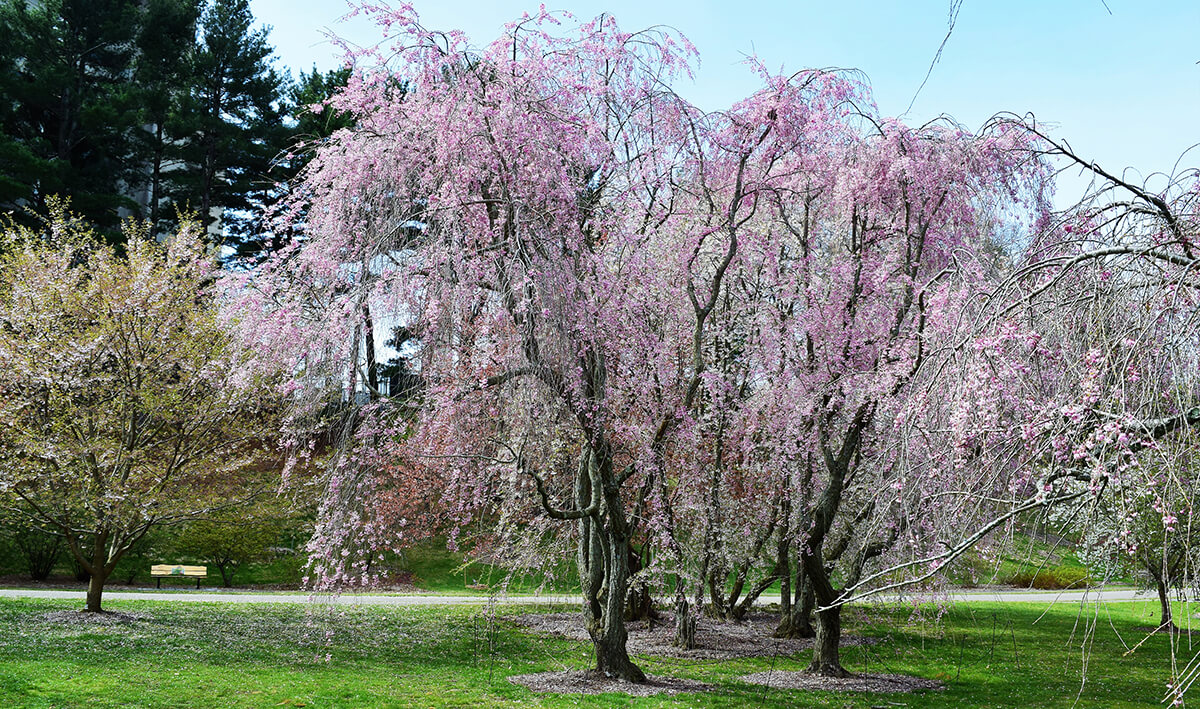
(123, 400)
(236, 538)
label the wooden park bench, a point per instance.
(166, 571)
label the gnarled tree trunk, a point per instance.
(639, 605)
(603, 559)
(826, 647)
(796, 618)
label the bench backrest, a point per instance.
(178, 570)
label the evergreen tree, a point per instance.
(165, 41)
(19, 165)
(309, 123)
(69, 112)
(139, 107)
(231, 125)
(314, 121)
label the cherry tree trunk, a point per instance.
(96, 590)
(603, 560)
(604, 603)
(1164, 599)
(94, 561)
(685, 624)
(826, 659)
(795, 620)
(640, 604)
(612, 659)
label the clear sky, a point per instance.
(1119, 79)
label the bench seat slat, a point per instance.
(178, 570)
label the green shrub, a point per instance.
(1055, 579)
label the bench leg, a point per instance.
(197, 583)
(158, 583)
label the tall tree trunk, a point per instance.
(156, 175)
(1164, 600)
(826, 657)
(209, 167)
(209, 178)
(372, 367)
(603, 560)
(640, 604)
(796, 621)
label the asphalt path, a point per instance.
(356, 599)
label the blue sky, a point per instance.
(1119, 79)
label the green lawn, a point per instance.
(185, 655)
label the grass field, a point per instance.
(191, 655)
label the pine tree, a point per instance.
(310, 122)
(231, 124)
(314, 121)
(69, 113)
(165, 41)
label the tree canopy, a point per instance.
(125, 402)
(633, 316)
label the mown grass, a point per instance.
(428, 566)
(184, 655)
(1026, 560)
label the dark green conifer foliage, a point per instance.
(232, 123)
(69, 113)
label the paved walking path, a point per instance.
(1000, 596)
(300, 598)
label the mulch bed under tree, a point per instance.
(89, 619)
(784, 679)
(715, 640)
(592, 682)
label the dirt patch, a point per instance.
(853, 683)
(89, 619)
(715, 640)
(592, 682)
